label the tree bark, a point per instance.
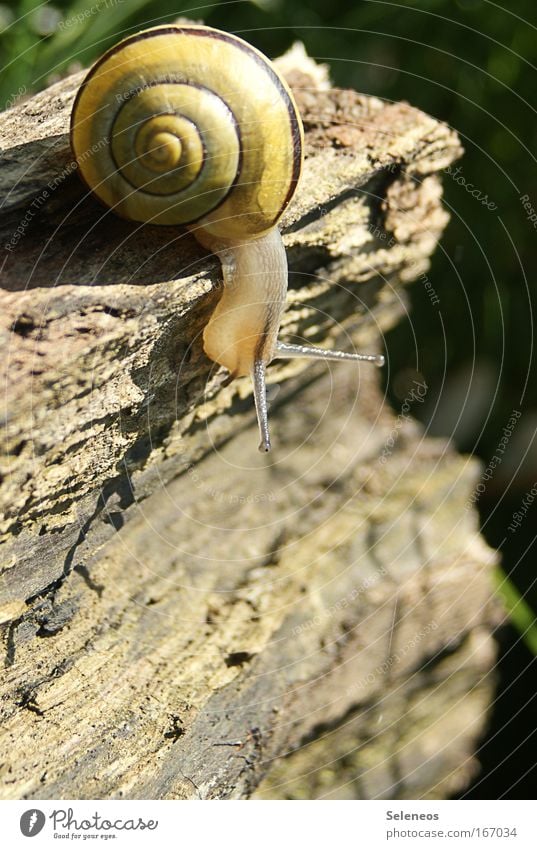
(179, 611)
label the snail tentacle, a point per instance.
(283, 351)
(260, 397)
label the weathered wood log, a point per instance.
(178, 611)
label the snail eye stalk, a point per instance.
(260, 396)
(289, 352)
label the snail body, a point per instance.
(244, 326)
(188, 125)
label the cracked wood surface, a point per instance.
(178, 611)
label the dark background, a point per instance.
(472, 64)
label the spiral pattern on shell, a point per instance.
(185, 124)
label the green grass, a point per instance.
(520, 613)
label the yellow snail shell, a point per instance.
(184, 124)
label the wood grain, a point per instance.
(178, 611)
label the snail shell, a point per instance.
(187, 124)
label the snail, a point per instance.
(189, 125)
